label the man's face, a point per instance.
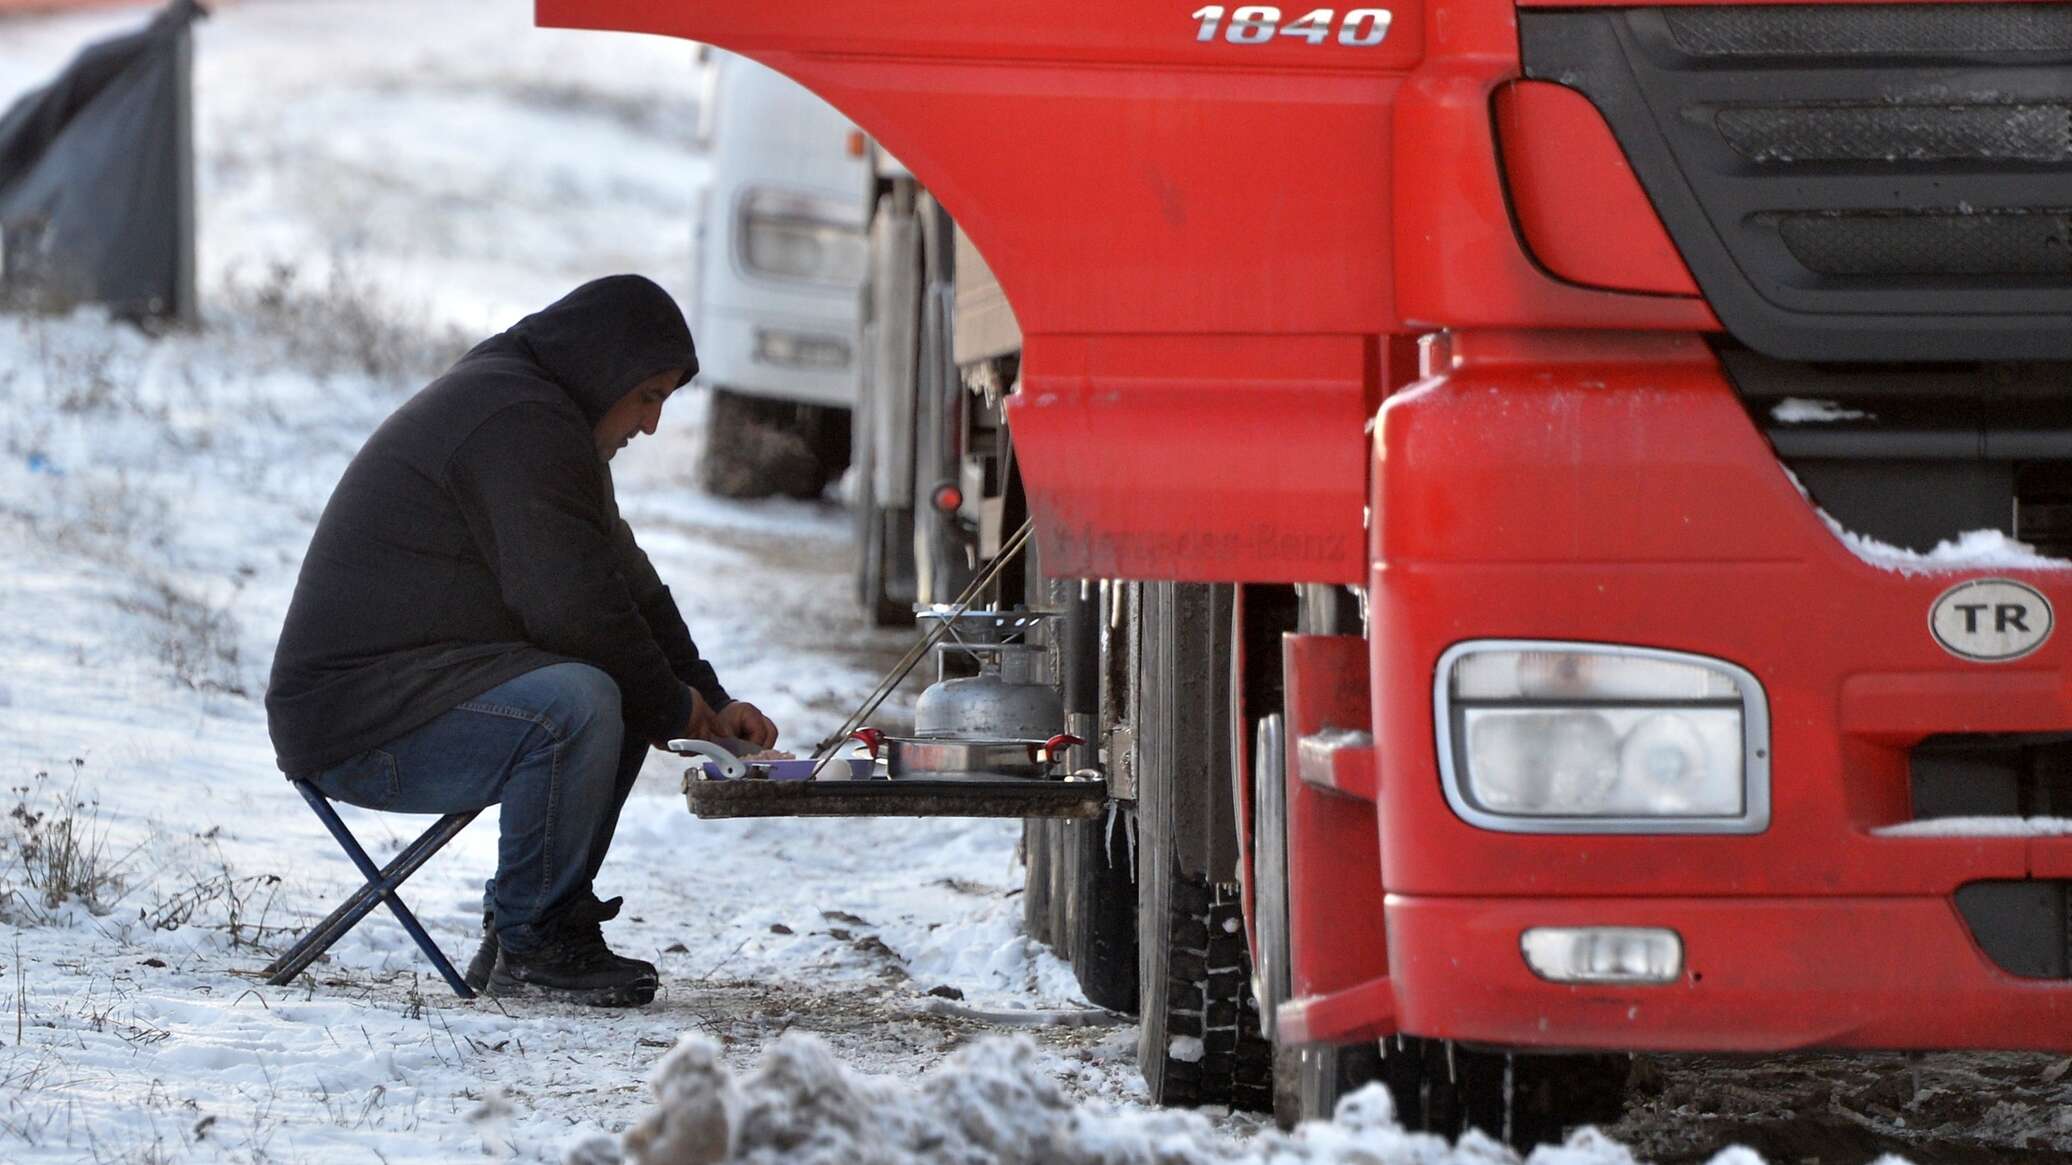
(637, 412)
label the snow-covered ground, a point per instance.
(380, 182)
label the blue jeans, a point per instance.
(552, 748)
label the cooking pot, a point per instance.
(953, 759)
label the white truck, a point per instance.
(782, 254)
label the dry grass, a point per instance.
(236, 905)
(196, 640)
(341, 325)
(53, 851)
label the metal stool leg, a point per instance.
(381, 886)
(311, 946)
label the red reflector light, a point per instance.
(946, 498)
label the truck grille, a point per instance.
(2043, 507)
(1893, 244)
(1914, 455)
(1916, 30)
(1851, 181)
(1788, 135)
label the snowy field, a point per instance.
(381, 183)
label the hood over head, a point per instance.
(606, 336)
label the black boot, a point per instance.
(484, 963)
(575, 964)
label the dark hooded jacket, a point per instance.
(475, 538)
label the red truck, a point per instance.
(1528, 426)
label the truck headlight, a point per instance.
(1596, 738)
(803, 236)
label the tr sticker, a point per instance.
(1989, 620)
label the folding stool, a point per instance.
(381, 886)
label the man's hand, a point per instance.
(746, 721)
(702, 725)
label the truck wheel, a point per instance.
(1101, 914)
(1080, 898)
(1315, 1077)
(882, 532)
(882, 422)
(756, 449)
(827, 432)
(1266, 615)
(1199, 1041)
(1104, 918)
(944, 548)
(1081, 895)
(1270, 975)
(1038, 846)
(879, 535)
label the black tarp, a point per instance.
(97, 178)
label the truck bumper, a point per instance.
(1759, 975)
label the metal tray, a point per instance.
(723, 785)
(878, 797)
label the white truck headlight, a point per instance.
(1597, 738)
(803, 236)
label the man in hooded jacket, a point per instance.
(474, 625)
